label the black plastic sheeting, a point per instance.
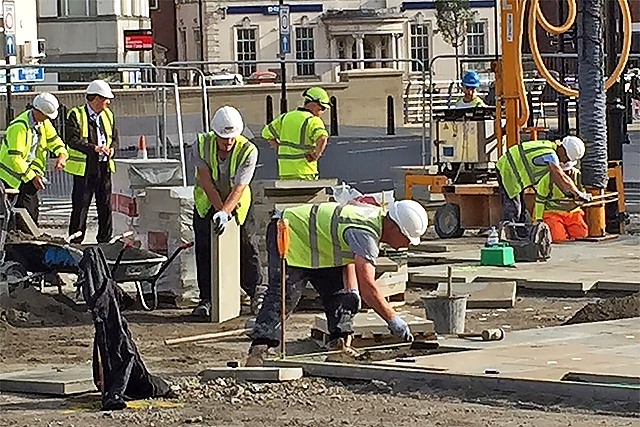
(592, 101)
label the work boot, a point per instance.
(257, 355)
(339, 352)
(202, 310)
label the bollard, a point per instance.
(391, 120)
(563, 115)
(269, 109)
(334, 116)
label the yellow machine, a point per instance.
(464, 202)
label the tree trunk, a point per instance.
(592, 100)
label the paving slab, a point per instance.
(225, 273)
(264, 374)
(484, 294)
(574, 268)
(372, 324)
(58, 381)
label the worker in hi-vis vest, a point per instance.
(524, 164)
(23, 154)
(563, 215)
(91, 139)
(470, 83)
(225, 162)
(326, 240)
(300, 137)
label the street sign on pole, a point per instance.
(285, 30)
(8, 12)
(10, 45)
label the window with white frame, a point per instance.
(154, 4)
(419, 37)
(183, 44)
(197, 42)
(476, 39)
(305, 50)
(77, 7)
(246, 50)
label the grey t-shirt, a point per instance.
(244, 173)
(362, 242)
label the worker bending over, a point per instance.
(23, 154)
(91, 140)
(523, 165)
(325, 238)
(225, 163)
(470, 83)
(300, 137)
(564, 217)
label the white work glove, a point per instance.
(219, 220)
(584, 196)
(399, 328)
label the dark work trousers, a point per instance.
(84, 188)
(250, 275)
(29, 199)
(513, 209)
(339, 305)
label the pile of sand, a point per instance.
(30, 308)
(608, 309)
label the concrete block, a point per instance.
(484, 294)
(427, 279)
(264, 374)
(225, 273)
(372, 324)
(430, 247)
(384, 265)
(54, 381)
(617, 286)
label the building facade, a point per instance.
(23, 44)
(163, 24)
(90, 31)
(348, 29)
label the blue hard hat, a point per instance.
(471, 79)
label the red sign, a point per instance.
(138, 39)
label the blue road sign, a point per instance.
(26, 75)
(285, 44)
(10, 45)
(20, 88)
(285, 30)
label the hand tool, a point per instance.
(486, 335)
(283, 248)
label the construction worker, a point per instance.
(23, 153)
(91, 140)
(564, 217)
(300, 137)
(524, 164)
(326, 240)
(470, 83)
(225, 163)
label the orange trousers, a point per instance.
(566, 225)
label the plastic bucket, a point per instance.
(447, 313)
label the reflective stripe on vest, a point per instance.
(293, 144)
(317, 233)
(516, 166)
(77, 161)
(241, 150)
(555, 200)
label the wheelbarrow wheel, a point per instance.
(11, 272)
(447, 221)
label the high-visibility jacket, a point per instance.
(208, 151)
(316, 233)
(550, 198)
(297, 132)
(517, 168)
(475, 102)
(77, 163)
(15, 167)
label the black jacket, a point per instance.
(74, 139)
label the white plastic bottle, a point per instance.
(493, 238)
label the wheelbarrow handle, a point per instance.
(125, 247)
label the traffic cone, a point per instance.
(142, 148)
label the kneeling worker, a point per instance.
(23, 155)
(523, 165)
(564, 217)
(324, 239)
(225, 162)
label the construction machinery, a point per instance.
(473, 202)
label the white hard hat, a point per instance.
(568, 165)
(227, 122)
(574, 147)
(411, 217)
(47, 104)
(101, 88)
